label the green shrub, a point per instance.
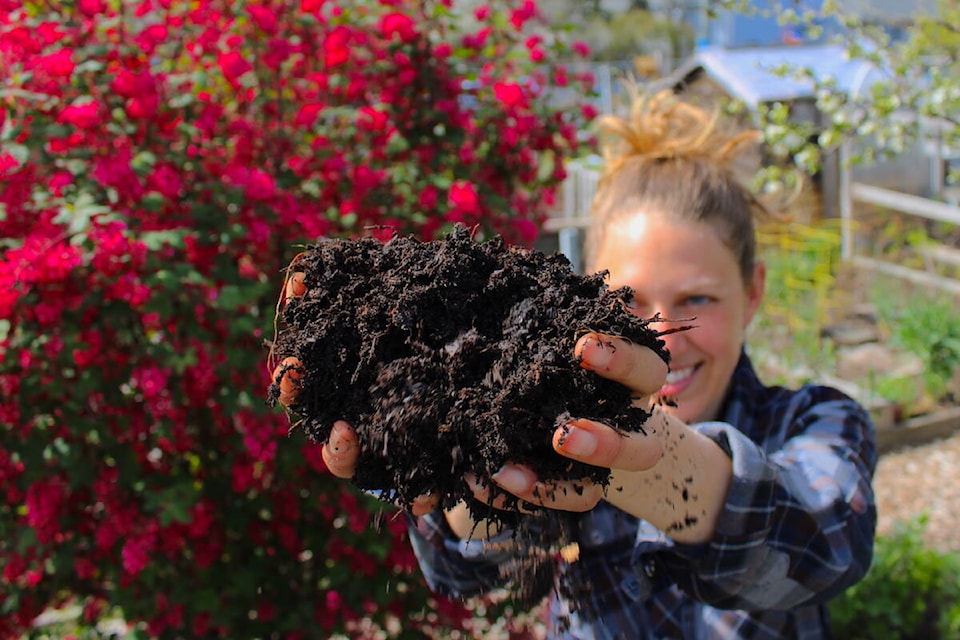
(927, 326)
(912, 591)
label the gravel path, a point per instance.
(919, 480)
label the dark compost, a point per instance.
(450, 356)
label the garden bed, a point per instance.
(892, 345)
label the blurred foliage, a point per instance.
(912, 592)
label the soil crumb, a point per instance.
(453, 356)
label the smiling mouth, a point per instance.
(673, 377)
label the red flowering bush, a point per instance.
(160, 161)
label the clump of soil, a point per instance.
(451, 356)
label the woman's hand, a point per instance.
(634, 366)
(342, 449)
(682, 494)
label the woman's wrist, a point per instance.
(684, 493)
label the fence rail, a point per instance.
(853, 192)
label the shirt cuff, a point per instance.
(751, 498)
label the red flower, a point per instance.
(264, 17)
(135, 554)
(150, 381)
(166, 180)
(15, 567)
(463, 197)
(260, 186)
(84, 568)
(307, 114)
(91, 8)
(83, 116)
(151, 37)
(477, 40)
(58, 64)
(233, 65)
(526, 230)
(427, 200)
(143, 108)
(58, 182)
(336, 47)
(45, 503)
(399, 25)
(519, 17)
(312, 6)
(372, 119)
(7, 162)
(509, 94)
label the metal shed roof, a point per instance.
(749, 74)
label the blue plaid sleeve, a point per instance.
(455, 567)
(799, 521)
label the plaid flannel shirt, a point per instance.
(796, 530)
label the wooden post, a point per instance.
(846, 202)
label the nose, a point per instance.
(675, 333)
(674, 340)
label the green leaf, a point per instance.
(156, 240)
(143, 162)
(76, 216)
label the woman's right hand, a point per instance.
(342, 450)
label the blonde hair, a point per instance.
(675, 159)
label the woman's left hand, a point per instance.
(682, 493)
(636, 367)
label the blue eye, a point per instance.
(697, 301)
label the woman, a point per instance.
(744, 508)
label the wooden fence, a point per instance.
(933, 253)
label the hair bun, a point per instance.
(661, 126)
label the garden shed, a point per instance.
(756, 77)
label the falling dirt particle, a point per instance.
(570, 552)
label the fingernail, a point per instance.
(339, 443)
(512, 479)
(473, 481)
(595, 356)
(576, 441)
(295, 286)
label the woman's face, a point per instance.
(684, 272)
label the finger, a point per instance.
(422, 505)
(341, 451)
(485, 492)
(291, 370)
(572, 495)
(294, 286)
(632, 365)
(597, 444)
